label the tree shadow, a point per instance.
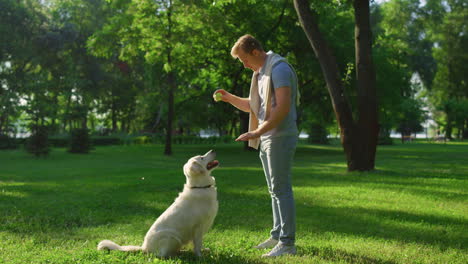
(333, 254)
(66, 205)
(385, 180)
(29, 209)
(319, 150)
(395, 225)
(218, 258)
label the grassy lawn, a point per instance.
(412, 209)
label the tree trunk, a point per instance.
(244, 117)
(3, 123)
(465, 130)
(84, 120)
(4, 115)
(67, 114)
(158, 119)
(170, 113)
(365, 146)
(171, 82)
(359, 139)
(448, 128)
(114, 114)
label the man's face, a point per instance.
(248, 60)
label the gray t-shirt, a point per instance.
(282, 75)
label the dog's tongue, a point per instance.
(212, 164)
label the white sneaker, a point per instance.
(280, 250)
(269, 243)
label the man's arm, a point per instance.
(277, 114)
(239, 102)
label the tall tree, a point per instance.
(218, 25)
(20, 23)
(358, 135)
(449, 91)
(71, 24)
(399, 56)
(150, 28)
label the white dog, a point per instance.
(188, 218)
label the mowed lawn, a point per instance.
(412, 209)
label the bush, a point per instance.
(178, 139)
(59, 141)
(7, 143)
(80, 141)
(106, 140)
(385, 141)
(318, 134)
(38, 142)
(65, 141)
(227, 139)
(159, 139)
(142, 140)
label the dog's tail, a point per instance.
(109, 245)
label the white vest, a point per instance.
(254, 98)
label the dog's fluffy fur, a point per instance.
(187, 219)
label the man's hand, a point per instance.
(248, 135)
(223, 97)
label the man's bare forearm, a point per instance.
(240, 103)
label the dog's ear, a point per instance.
(196, 168)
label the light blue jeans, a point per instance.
(277, 156)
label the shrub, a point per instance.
(106, 140)
(159, 138)
(59, 141)
(226, 139)
(80, 141)
(38, 142)
(7, 143)
(142, 140)
(318, 134)
(385, 141)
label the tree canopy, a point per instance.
(128, 66)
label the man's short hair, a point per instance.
(247, 43)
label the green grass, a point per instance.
(412, 209)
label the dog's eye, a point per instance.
(202, 158)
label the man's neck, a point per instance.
(262, 59)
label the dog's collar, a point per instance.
(201, 187)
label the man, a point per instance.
(272, 125)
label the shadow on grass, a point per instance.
(217, 257)
(59, 209)
(185, 256)
(327, 254)
(443, 232)
(395, 225)
(75, 202)
(319, 150)
(331, 254)
(55, 211)
(453, 190)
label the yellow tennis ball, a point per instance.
(218, 97)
